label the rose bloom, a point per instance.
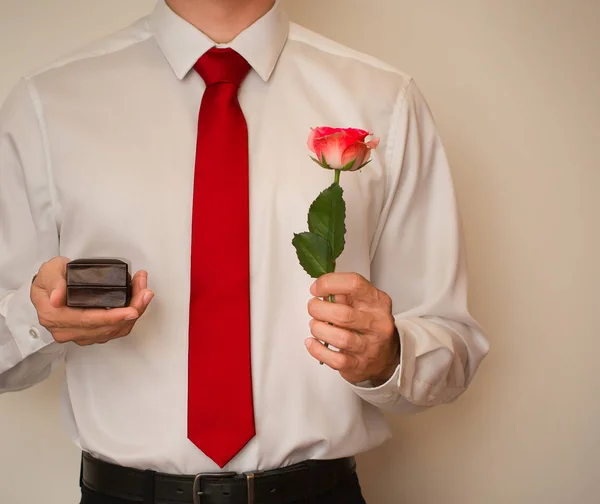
(341, 148)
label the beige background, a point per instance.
(514, 85)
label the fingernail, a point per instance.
(308, 342)
(148, 297)
(311, 322)
(131, 317)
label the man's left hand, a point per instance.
(360, 324)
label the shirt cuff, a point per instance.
(382, 395)
(23, 323)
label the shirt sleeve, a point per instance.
(418, 258)
(28, 237)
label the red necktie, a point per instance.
(220, 409)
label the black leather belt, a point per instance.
(290, 484)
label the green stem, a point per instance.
(331, 297)
(337, 176)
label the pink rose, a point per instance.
(342, 149)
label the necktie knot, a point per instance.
(222, 66)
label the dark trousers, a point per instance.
(347, 492)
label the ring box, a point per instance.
(98, 283)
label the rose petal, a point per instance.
(326, 131)
(340, 147)
(373, 144)
(356, 152)
(311, 140)
(331, 147)
(353, 133)
(357, 135)
(361, 162)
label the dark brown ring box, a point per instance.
(98, 283)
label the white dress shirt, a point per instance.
(97, 159)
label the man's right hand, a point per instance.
(84, 326)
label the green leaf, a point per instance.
(327, 216)
(314, 254)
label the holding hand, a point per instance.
(83, 326)
(360, 324)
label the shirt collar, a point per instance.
(183, 44)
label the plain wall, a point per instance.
(514, 87)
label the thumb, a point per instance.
(52, 279)
(58, 294)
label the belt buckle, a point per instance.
(250, 478)
(197, 493)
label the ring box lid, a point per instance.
(98, 272)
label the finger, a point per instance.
(93, 335)
(139, 282)
(53, 279)
(343, 339)
(84, 342)
(335, 360)
(146, 296)
(87, 341)
(92, 341)
(140, 295)
(340, 315)
(89, 337)
(52, 271)
(50, 277)
(352, 285)
(339, 298)
(90, 319)
(43, 299)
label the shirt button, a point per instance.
(34, 333)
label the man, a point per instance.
(115, 152)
